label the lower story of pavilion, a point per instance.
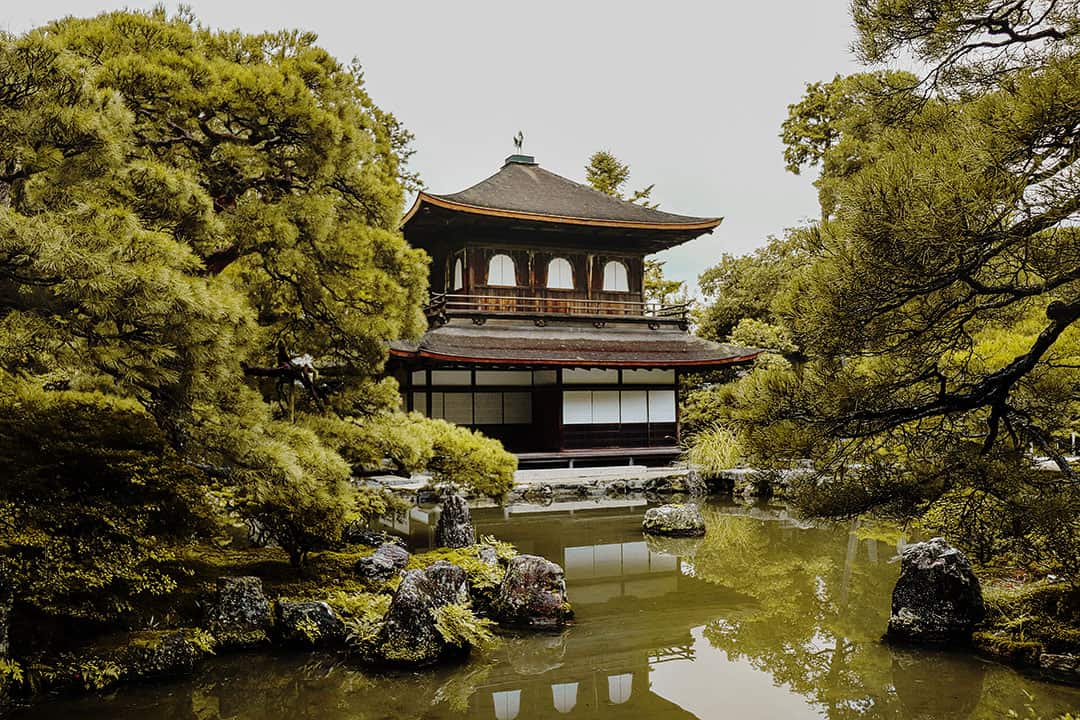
(560, 402)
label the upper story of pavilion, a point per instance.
(529, 244)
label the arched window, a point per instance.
(619, 688)
(507, 704)
(459, 274)
(560, 274)
(501, 271)
(564, 696)
(615, 277)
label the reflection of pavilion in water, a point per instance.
(635, 607)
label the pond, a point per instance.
(766, 617)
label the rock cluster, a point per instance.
(533, 594)
(938, 599)
(681, 483)
(454, 528)
(681, 520)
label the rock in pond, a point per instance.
(533, 594)
(409, 636)
(240, 614)
(384, 563)
(454, 528)
(310, 623)
(937, 600)
(682, 520)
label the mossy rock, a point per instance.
(409, 636)
(1007, 649)
(310, 624)
(533, 594)
(675, 520)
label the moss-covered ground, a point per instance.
(1024, 620)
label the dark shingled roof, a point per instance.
(570, 345)
(525, 190)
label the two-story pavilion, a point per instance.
(540, 334)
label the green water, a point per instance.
(766, 617)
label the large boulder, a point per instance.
(240, 614)
(310, 624)
(937, 600)
(532, 594)
(409, 636)
(454, 528)
(681, 520)
(384, 563)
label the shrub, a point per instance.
(714, 450)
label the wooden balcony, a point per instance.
(444, 306)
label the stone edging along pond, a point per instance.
(420, 610)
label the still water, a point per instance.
(766, 617)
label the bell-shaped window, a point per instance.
(564, 696)
(459, 274)
(501, 271)
(560, 275)
(507, 704)
(615, 278)
(619, 688)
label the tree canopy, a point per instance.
(199, 245)
(936, 301)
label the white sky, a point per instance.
(690, 94)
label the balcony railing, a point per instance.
(446, 305)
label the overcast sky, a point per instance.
(690, 94)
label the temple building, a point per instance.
(540, 333)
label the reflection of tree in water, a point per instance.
(821, 609)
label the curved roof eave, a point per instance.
(705, 224)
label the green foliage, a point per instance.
(178, 207)
(363, 616)
(835, 125)
(504, 551)
(605, 173)
(714, 450)
(10, 673)
(94, 502)
(746, 287)
(466, 458)
(756, 333)
(459, 626)
(661, 291)
(935, 305)
(416, 444)
(482, 576)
